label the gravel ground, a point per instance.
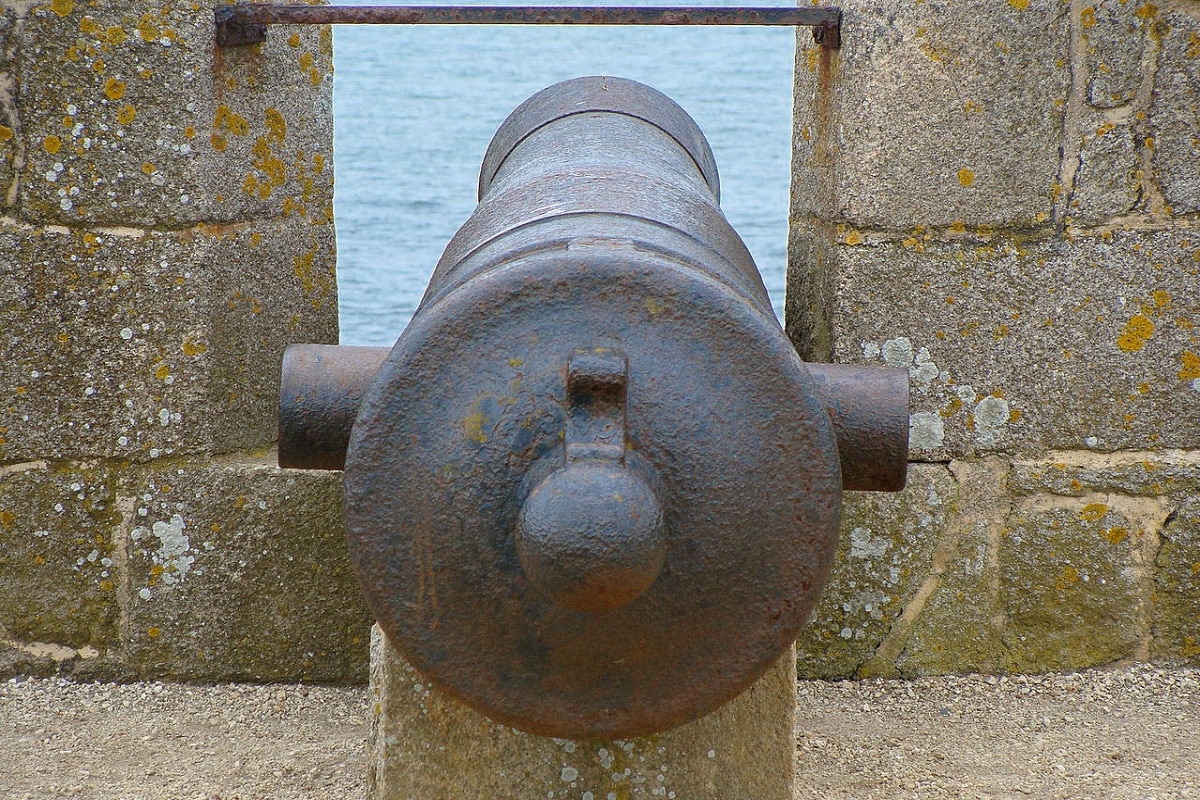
(1133, 733)
(1130, 734)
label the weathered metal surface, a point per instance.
(247, 24)
(597, 232)
(590, 536)
(869, 410)
(592, 491)
(868, 407)
(320, 392)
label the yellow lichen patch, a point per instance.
(294, 40)
(148, 30)
(1093, 512)
(966, 177)
(154, 633)
(812, 59)
(250, 185)
(305, 61)
(115, 35)
(89, 26)
(7, 518)
(936, 54)
(314, 285)
(114, 89)
(62, 7)
(227, 120)
(1161, 299)
(276, 124)
(971, 107)
(1087, 17)
(191, 347)
(6, 133)
(126, 114)
(148, 168)
(1191, 366)
(189, 132)
(52, 144)
(162, 372)
(1137, 332)
(1116, 535)
(318, 162)
(255, 239)
(1147, 11)
(98, 66)
(1000, 332)
(958, 226)
(473, 428)
(1193, 46)
(654, 306)
(854, 238)
(951, 408)
(1068, 577)
(515, 362)
(219, 142)
(268, 163)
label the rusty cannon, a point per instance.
(592, 491)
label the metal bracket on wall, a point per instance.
(247, 24)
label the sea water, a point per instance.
(415, 108)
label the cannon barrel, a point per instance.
(592, 491)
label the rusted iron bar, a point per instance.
(247, 24)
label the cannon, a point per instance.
(592, 491)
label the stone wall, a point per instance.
(1004, 197)
(166, 228)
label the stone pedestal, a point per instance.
(427, 746)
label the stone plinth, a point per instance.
(427, 746)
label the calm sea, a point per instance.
(415, 108)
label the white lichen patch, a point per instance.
(926, 430)
(991, 415)
(863, 545)
(957, 406)
(870, 601)
(902, 354)
(897, 352)
(174, 552)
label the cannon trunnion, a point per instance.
(592, 491)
